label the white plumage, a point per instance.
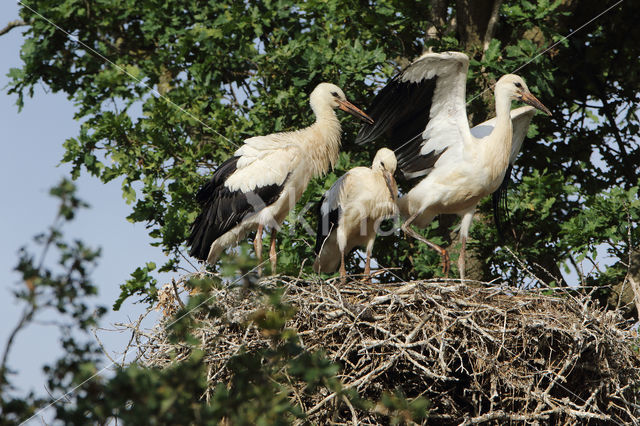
(264, 179)
(351, 212)
(422, 112)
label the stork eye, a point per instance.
(382, 164)
(518, 85)
(335, 94)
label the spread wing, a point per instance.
(243, 185)
(421, 112)
(520, 120)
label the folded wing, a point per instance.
(329, 212)
(245, 184)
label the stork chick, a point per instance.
(265, 178)
(351, 212)
(422, 112)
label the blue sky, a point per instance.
(29, 166)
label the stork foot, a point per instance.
(343, 275)
(273, 255)
(366, 280)
(367, 273)
(461, 258)
(446, 263)
(461, 267)
(257, 246)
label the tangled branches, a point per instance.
(481, 355)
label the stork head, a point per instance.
(385, 160)
(516, 89)
(327, 95)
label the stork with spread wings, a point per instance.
(422, 113)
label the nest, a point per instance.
(481, 355)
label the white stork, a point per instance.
(261, 183)
(422, 112)
(351, 212)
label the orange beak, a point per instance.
(355, 111)
(528, 98)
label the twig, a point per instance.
(11, 25)
(104, 351)
(527, 356)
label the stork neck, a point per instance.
(324, 114)
(323, 146)
(503, 120)
(503, 107)
(498, 144)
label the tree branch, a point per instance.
(11, 25)
(438, 18)
(491, 25)
(609, 112)
(26, 317)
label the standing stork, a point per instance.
(351, 212)
(422, 112)
(261, 183)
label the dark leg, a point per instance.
(406, 228)
(273, 256)
(343, 270)
(257, 246)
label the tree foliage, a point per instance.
(64, 288)
(166, 90)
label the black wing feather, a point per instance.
(326, 223)
(417, 164)
(223, 209)
(401, 112)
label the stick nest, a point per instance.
(481, 355)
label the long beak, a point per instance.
(528, 98)
(355, 111)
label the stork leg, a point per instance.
(273, 256)
(467, 218)
(367, 265)
(257, 246)
(343, 270)
(367, 262)
(406, 228)
(461, 261)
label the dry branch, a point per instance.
(11, 25)
(481, 355)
